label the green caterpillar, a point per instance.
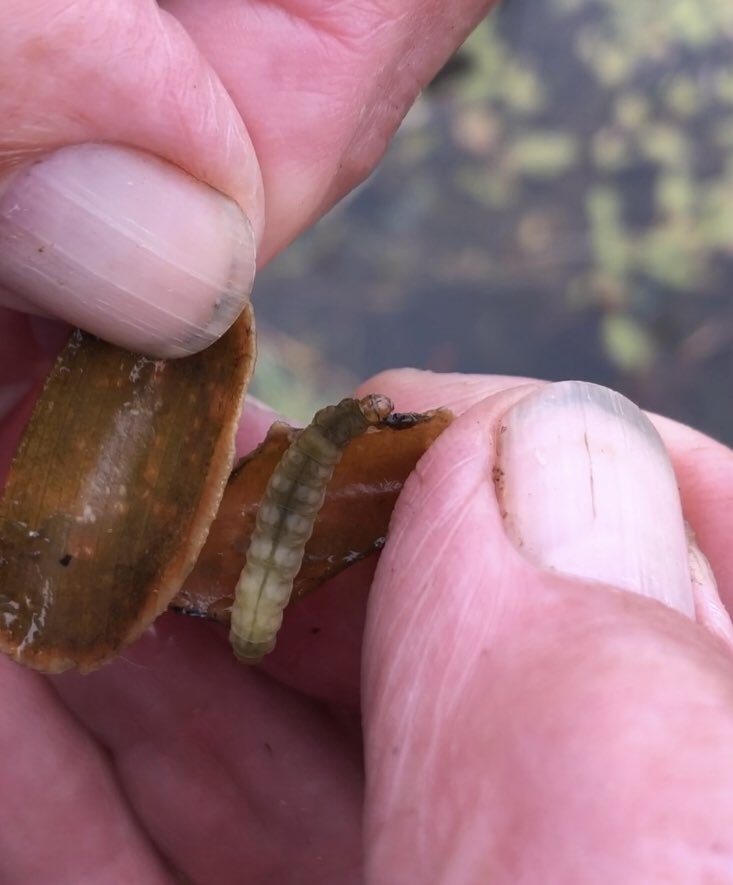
(287, 514)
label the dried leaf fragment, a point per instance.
(351, 524)
(111, 494)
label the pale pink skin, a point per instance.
(546, 752)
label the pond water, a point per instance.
(558, 204)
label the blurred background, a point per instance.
(559, 204)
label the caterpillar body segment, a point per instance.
(285, 520)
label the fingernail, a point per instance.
(127, 246)
(587, 489)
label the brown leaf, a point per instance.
(352, 523)
(111, 493)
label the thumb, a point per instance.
(514, 693)
(130, 195)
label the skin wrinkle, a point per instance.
(354, 30)
(410, 617)
(457, 670)
(410, 719)
(395, 756)
(413, 644)
(406, 641)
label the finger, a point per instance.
(130, 195)
(234, 777)
(62, 817)
(322, 87)
(703, 468)
(533, 672)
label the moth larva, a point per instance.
(287, 514)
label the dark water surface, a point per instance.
(559, 204)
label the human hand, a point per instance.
(147, 151)
(531, 711)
